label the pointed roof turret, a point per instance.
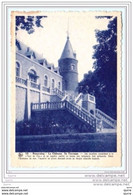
(68, 51)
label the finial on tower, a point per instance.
(68, 28)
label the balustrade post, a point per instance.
(42, 105)
(47, 105)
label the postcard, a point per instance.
(66, 92)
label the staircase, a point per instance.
(63, 95)
(98, 121)
(81, 114)
(103, 121)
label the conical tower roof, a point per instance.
(68, 51)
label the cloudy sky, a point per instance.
(50, 40)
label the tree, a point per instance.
(28, 23)
(102, 82)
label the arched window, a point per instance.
(59, 85)
(17, 69)
(92, 112)
(45, 80)
(33, 76)
(72, 67)
(53, 83)
(33, 72)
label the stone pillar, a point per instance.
(88, 103)
(40, 97)
(28, 100)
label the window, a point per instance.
(32, 76)
(45, 81)
(72, 67)
(59, 85)
(53, 83)
(33, 72)
(92, 112)
(91, 98)
(17, 69)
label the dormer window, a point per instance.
(30, 54)
(41, 62)
(33, 76)
(17, 69)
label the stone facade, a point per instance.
(35, 80)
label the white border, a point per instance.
(5, 77)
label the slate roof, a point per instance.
(68, 51)
(27, 51)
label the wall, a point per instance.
(54, 98)
(71, 81)
(34, 96)
(21, 103)
(45, 98)
(89, 106)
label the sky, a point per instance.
(50, 40)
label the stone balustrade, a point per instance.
(56, 91)
(106, 118)
(46, 89)
(33, 85)
(21, 81)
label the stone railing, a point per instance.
(58, 92)
(106, 118)
(81, 114)
(78, 98)
(21, 80)
(34, 85)
(46, 89)
(48, 106)
(67, 105)
(84, 110)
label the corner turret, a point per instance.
(68, 68)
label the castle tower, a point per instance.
(68, 68)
